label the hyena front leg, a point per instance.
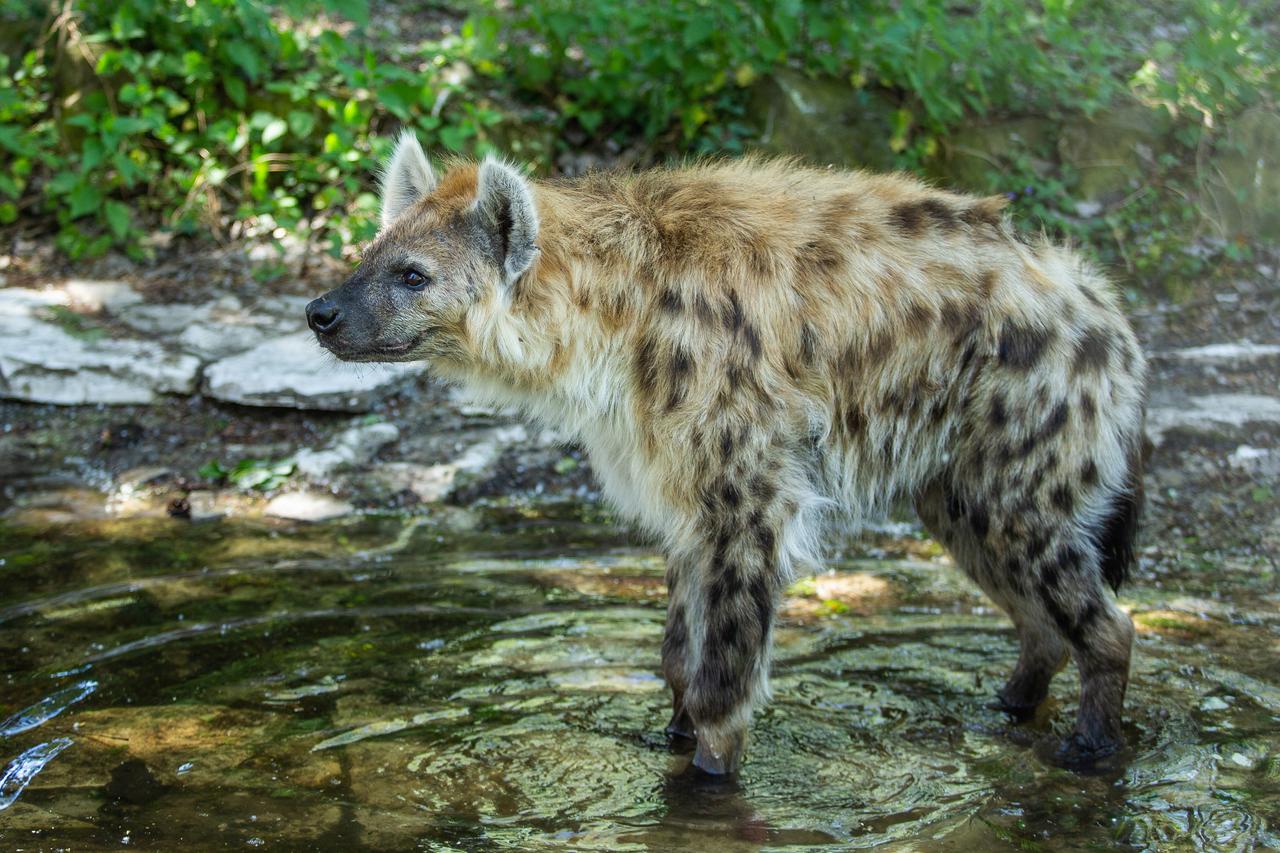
(682, 578)
(727, 606)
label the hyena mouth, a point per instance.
(383, 352)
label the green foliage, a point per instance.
(1220, 66)
(249, 474)
(198, 115)
(649, 66)
(235, 117)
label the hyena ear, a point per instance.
(408, 177)
(505, 209)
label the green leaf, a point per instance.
(8, 212)
(301, 123)
(235, 89)
(211, 470)
(117, 216)
(243, 55)
(84, 199)
(353, 10)
(274, 129)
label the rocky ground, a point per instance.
(195, 390)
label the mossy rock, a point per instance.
(969, 157)
(1240, 181)
(1111, 151)
(826, 120)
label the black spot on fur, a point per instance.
(1021, 346)
(978, 520)
(1092, 352)
(960, 319)
(726, 444)
(1091, 296)
(669, 300)
(1036, 545)
(808, 344)
(1089, 473)
(1056, 421)
(725, 587)
(854, 422)
(752, 338)
(646, 364)
(1063, 498)
(758, 589)
(1087, 407)
(762, 489)
(918, 318)
(999, 417)
(940, 213)
(908, 218)
(733, 318)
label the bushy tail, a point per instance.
(1119, 530)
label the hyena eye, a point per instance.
(414, 279)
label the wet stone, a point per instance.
(132, 782)
(307, 506)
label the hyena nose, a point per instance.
(323, 315)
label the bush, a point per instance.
(209, 114)
(235, 117)
(646, 66)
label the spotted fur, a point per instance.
(753, 351)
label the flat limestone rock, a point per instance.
(41, 362)
(293, 371)
(1211, 413)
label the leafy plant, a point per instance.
(249, 474)
(219, 116)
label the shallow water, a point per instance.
(489, 680)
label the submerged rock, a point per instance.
(293, 371)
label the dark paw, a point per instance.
(1021, 712)
(681, 726)
(1086, 755)
(715, 763)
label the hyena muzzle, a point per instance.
(750, 351)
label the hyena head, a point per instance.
(444, 247)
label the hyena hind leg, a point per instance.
(962, 526)
(1051, 579)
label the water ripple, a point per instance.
(47, 708)
(24, 768)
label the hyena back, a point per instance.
(751, 351)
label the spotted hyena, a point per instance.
(752, 350)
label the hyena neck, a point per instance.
(547, 344)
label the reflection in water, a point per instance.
(380, 685)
